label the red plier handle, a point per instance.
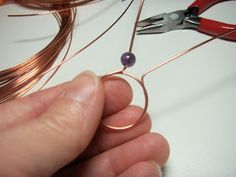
(209, 26)
(1, 2)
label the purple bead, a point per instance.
(128, 59)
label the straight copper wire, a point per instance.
(177, 56)
(136, 25)
(91, 42)
(141, 80)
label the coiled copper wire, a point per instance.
(50, 4)
(18, 80)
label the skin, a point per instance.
(58, 132)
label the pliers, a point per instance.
(187, 19)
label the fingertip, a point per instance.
(160, 142)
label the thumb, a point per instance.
(44, 145)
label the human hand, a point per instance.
(42, 133)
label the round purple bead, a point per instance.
(128, 59)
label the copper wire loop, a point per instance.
(141, 80)
(145, 93)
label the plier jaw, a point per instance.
(165, 22)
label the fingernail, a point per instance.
(82, 87)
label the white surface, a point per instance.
(192, 101)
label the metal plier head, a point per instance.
(165, 22)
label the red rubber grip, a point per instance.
(203, 4)
(215, 28)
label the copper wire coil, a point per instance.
(18, 80)
(50, 4)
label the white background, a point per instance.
(192, 101)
